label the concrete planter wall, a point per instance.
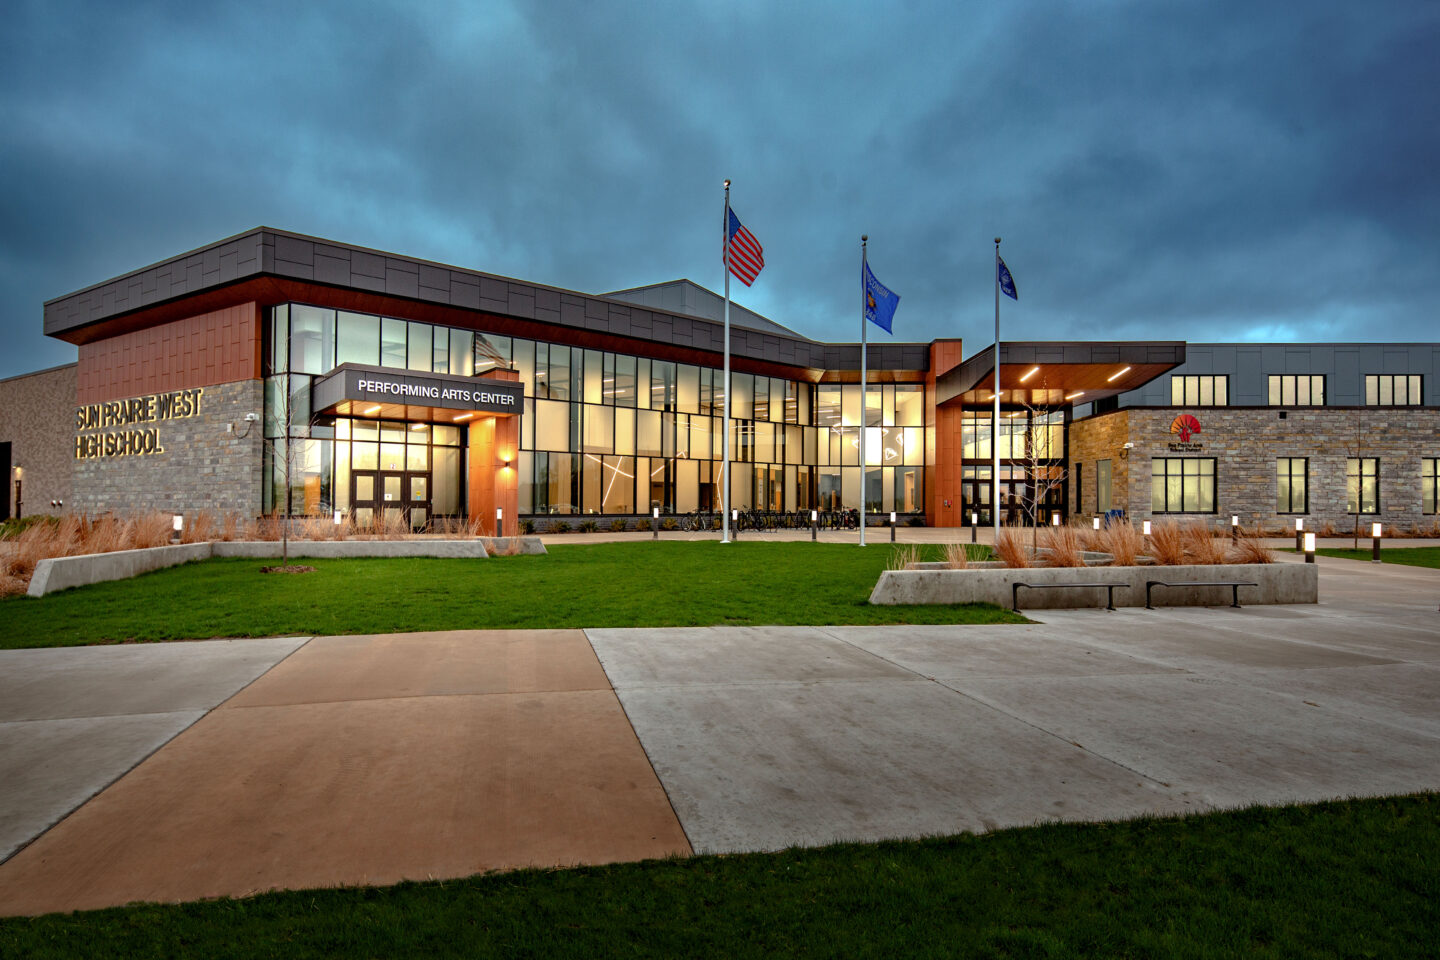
(62, 573)
(1278, 583)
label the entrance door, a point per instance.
(398, 499)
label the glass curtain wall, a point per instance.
(1032, 483)
(601, 433)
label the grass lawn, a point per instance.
(1411, 556)
(1355, 878)
(635, 584)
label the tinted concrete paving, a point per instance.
(767, 737)
(368, 760)
(74, 719)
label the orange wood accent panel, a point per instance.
(493, 483)
(942, 462)
(221, 346)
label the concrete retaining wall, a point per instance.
(510, 546)
(62, 573)
(340, 549)
(1278, 583)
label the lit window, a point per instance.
(1291, 485)
(1182, 485)
(1292, 390)
(1362, 485)
(1200, 391)
(1392, 390)
(1429, 488)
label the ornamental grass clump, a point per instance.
(1202, 546)
(1167, 543)
(1011, 550)
(1090, 538)
(1123, 542)
(1250, 549)
(956, 556)
(902, 555)
(1063, 543)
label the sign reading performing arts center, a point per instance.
(365, 384)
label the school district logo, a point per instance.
(1186, 426)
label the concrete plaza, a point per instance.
(178, 771)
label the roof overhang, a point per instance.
(1058, 374)
(384, 393)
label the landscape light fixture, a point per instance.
(1376, 529)
(338, 518)
(1147, 528)
(1234, 527)
(177, 523)
(814, 525)
(1299, 530)
(1094, 523)
(974, 527)
(1116, 375)
(1309, 548)
(1055, 519)
(892, 526)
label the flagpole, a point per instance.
(725, 461)
(995, 425)
(863, 240)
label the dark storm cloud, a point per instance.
(1201, 170)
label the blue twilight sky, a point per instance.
(1208, 170)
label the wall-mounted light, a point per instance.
(371, 411)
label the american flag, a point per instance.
(747, 258)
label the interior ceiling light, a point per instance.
(372, 411)
(1033, 371)
(1113, 376)
(464, 416)
(1081, 393)
(418, 426)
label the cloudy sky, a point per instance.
(1209, 170)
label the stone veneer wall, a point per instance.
(1245, 443)
(37, 414)
(205, 467)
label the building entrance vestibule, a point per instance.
(394, 497)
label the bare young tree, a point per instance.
(282, 402)
(1043, 445)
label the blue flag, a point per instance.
(880, 302)
(1007, 282)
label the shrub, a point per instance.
(1064, 546)
(669, 523)
(1010, 548)
(617, 525)
(527, 526)
(1123, 542)
(560, 526)
(589, 526)
(1167, 543)
(916, 521)
(956, 556)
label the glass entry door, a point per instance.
(396, 498)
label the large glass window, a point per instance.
(357, 338)
(1200, 391)
(1292, 487)
(1393, 390)
(1182, 485)
(1430, 485)
(1362, 485)
(1292, 390)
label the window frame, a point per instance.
(1213, 477)
(1360, 477)
(1290, 475)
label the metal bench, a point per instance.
(1234, 586)
(1109, 591)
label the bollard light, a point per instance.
(655, 523)
(974, 526)
(338, 518)
(1309, 548)
(734, 515)
(1376, 529)
(178, 522)
(1147, 528)
(892, 526)
(1234, 528)
(1054, 519)
(814, 524)
(499, 521)
(1094, 523)
(1299, 528)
